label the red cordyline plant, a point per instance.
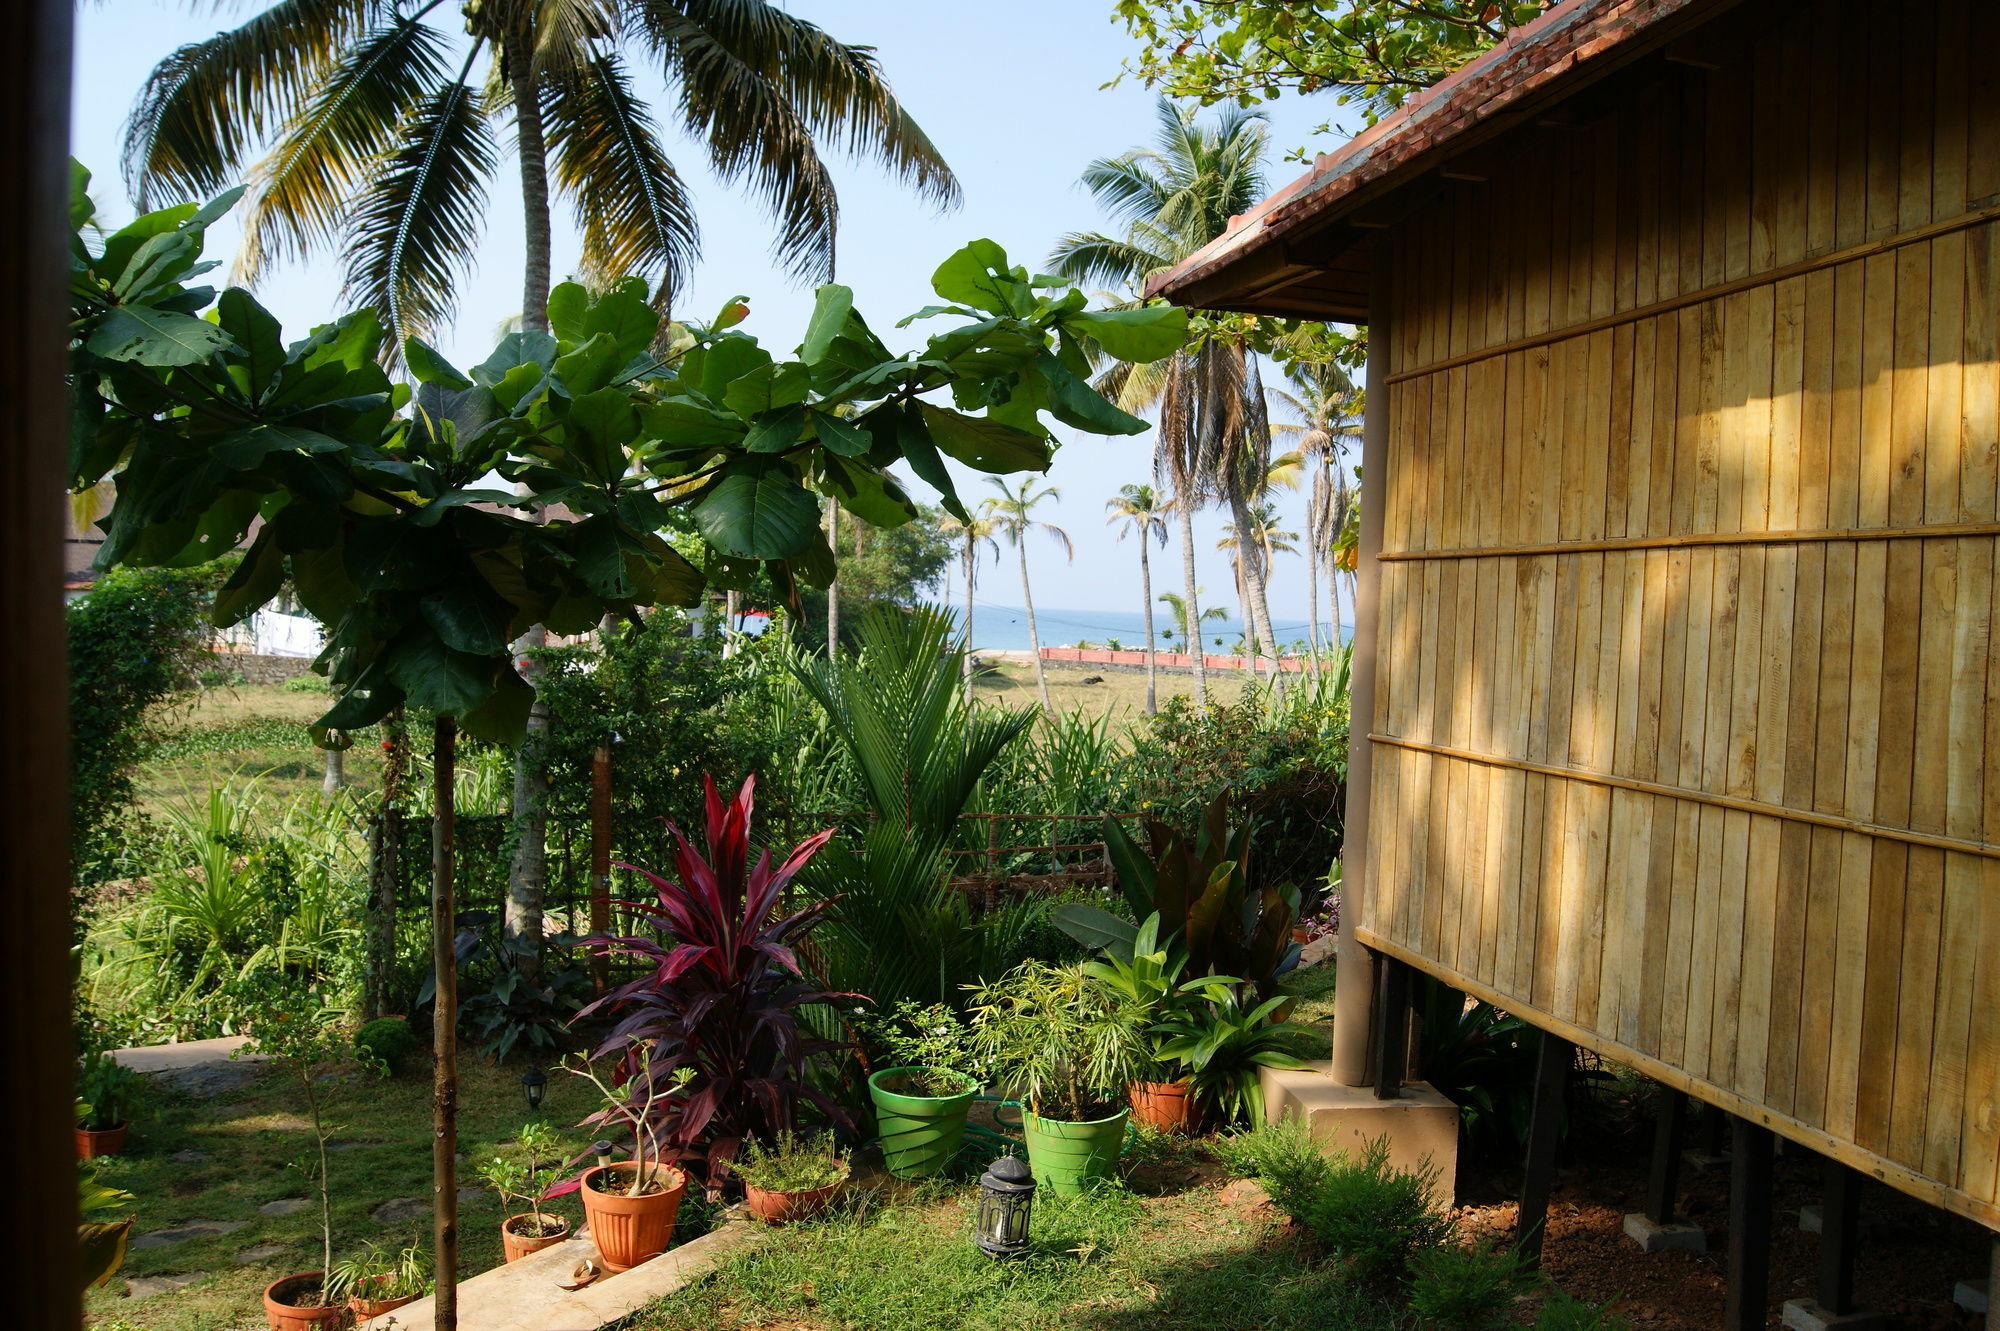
(722, 1000)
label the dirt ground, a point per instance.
(1911, 1255)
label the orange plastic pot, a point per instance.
(1164, 1106)
(518, 1246)
(282, 1316)
(630, 1230)
(91, 1143)
(787, 1208)
(363, 1309)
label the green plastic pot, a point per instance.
(920, 1133)
(1068, 1157)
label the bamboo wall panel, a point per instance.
(1687, 713)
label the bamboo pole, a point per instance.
(444, 1029)
(600, 860)
(1353, 998)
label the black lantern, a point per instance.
(533, 1081)
(1006, 1194)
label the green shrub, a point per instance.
(387, 1038)
(1376, 1219)
(1563, 1312)
(791, 1164)
(1467, 1289)
(306, 683)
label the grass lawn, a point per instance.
(222, 1159)
(1201, 1254)
(236, 732)
(1119, 691)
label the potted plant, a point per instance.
(519, 1177)
(922, 1097)
(1148, 977)
(630, 1205)
(1068, 1044)
(793, 1179)
(294, 1028)
(105, 1091)
(1223, 1039)
(378, 1281)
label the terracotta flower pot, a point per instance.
(1165, 1106)
(91, 1143)
(283, 1316)
(631, 1230)
(364, 1308)
(786, 1208)
(519, 1245)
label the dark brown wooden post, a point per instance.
(1750, 1169)
(1552, 1064)
(1392, 1029)
(444, 1027)
(35, 1043)
(600, 860)
(1664, 1180)
(1839, 1225)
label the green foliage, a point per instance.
(898, 930)
(1224, 1038)
(378, 1273)
(307, 683)
(135, 639)
(1199, 887)
(1564, 1312)
(1467, 1289)
(100, 1233)
(387, 1040)
(1377, 1220)
(791, 1164)
(1375, 53)
(935, 1040)
(1061, 1039)
(522, 1171)
(375, 503)
(109, 1089)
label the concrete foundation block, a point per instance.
(1421, 1124)
(1651, 1236)
(1705, 1162)
(1806, 1315)
(1973, 1295)
(1813, 1221)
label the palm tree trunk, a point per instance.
(444, 1022)
(528, 870)
(531, 144)
(1333, 595)
(336, 772)
(1257, 606)
(1146, 592)
(833, 588)
(730, 601)
(1193, 632)
(1312, 594)
(965, 667)
(1034, 638)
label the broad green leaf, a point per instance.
(501, 717)
(428, 365)
(623, 316)
(1074, 402)
(871, 495)
(529, 348)
(985, 444)
(665, 577)
(914, 444)
(832, 304)
(681, 425)
(256, 580)
(568, 302)
(591, 366)
(157, 263)
(775, 431)
(468, 618)
(710, 369)
(247, 448)
(757, 509)
(434, 676)
(155, 337)
(257, 331)
(767, 387)
(841, 436)
(1148, 333)
(978, 276)
(597, 430)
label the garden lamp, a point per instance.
(602, 1150)
(533, 1081)
(1006, 1194)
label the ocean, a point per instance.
(1005, 627)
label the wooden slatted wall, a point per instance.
(1688, 724)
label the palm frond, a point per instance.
(1129, 186)
(302, 188)
(205, 108)
(1089, 257)
(417, 222)
(632, 206)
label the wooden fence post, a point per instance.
(444, 1026)
(600, 860)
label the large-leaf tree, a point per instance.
(376, 126)
(378, 504)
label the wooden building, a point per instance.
(1676, 669)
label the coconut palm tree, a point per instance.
(1143, 512)
(1267, 540)
(1013, 514)
(1213, 439)
(370, 125)
(1329, 409)
(972, 536)
(1183, 624)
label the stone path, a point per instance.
(197, 1067)
(145, 1287)
(193, 1229)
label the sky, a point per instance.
(1012, 95)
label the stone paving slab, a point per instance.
(193, 1229)
(525, 1295)
(204, 1068)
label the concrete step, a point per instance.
(1420, 1123)
(527, 1295)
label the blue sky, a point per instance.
(1012, 97)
